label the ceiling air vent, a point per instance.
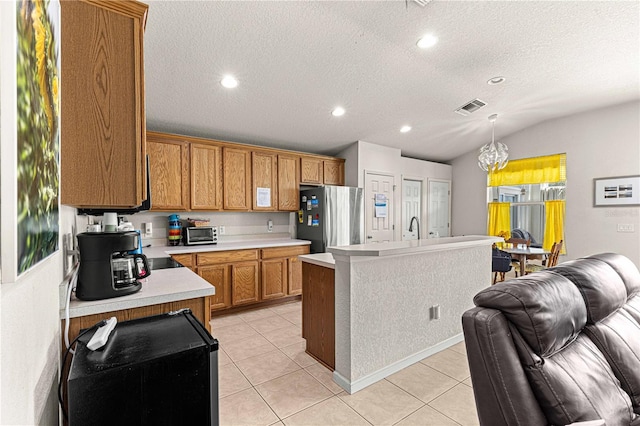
(471, 106)
(422, 3)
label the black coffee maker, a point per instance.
(107, 268)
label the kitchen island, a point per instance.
(397, 303)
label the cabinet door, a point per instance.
(103, 153)
(265, 175)
(274, 278)
(295, 276)
(218, 276)
(288, 182)
(311, 170)
(206, 177)
(169, 173)
(236, 165)
(333, 172)
(244, 282)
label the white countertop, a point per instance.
(162, 286)
(165, 251)
(413, 246)
(321, 259)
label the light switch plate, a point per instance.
(625, 227)
(221, 230)
(270, 226)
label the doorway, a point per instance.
(411, 209)
(439, 210)
(378, 195)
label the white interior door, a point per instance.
(411, 202)
(439, 213)
(378, 194)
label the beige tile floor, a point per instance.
(266, 378)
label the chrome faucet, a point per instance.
(417, 225)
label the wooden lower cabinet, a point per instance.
(251, 276)
(318, 312)
(244, 283)
(274, 278)
(219, 277)
(185, 260)
(294, 266)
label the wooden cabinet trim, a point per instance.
(231, 256)
(286, 251)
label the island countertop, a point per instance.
(321, 259)
(162, 286)
(413, 246)
(165, 251)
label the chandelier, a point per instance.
(493, 156)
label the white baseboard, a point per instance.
(369, 379)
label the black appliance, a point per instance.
(158, 370)
(107, 268)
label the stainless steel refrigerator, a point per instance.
(331, 216)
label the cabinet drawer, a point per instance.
(273, 252)
(231, 256)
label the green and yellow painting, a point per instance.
(38, 130)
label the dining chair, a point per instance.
(517, 241)
(500, 263)
(551, 261)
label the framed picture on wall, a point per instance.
(30, 134)
(616, 191)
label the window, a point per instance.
(535, 205)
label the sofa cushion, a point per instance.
(577, 384)
(546, 308)
(618, 338)
(601, 287)
(633, 307)
(627, 270)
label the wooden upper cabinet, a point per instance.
(169, 172)
(334, 172)
(288, 182)
(265, 177)
(206, 177)
(102, 153)
(311, 170)
(236, 164)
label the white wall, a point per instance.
(238, 225)
(29, 316)
(364, 157)
(600, 143)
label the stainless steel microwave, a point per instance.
(193, 235)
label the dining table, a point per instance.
(521, 253)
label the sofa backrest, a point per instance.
(613, 330)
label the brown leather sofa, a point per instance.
(558, 346)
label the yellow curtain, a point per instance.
(547, 169)
(499, 220)
(554, 224)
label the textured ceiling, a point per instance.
(295, 61)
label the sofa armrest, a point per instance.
(501, 389)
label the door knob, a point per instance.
(369, 237)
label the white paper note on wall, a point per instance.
(263, 197)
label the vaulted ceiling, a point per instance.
(295, 61)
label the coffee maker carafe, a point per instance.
(107, 268)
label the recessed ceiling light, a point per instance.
(405, 129)
(427, 41)
(337, 112)
(496, 80)
(229, 82)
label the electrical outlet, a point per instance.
(269, 225)
(148, 229)
(221, 230)
(625, 227)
